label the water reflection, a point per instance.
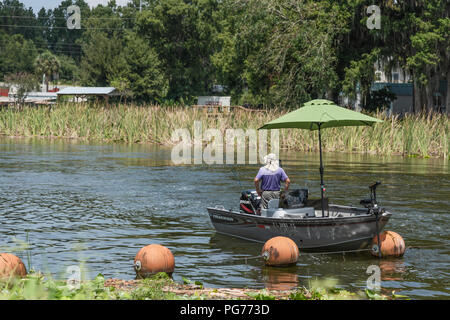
(280, 278)
(98, 204)
(392, 269)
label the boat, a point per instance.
(340, 229)
(314, 225)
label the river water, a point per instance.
(95, 205)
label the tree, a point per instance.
(102, 44)
(282, 52)
(182, 33)
(360, 75)
(16, 54)
(47, 64)
(143, 70)
(69, 70)
(379, 100)
(101, 53)
(415, 34)
(21, 83)
(9, 11)
(430, 43)
(59, 38)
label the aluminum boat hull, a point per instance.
(311, 234)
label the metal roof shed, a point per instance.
(104, 92)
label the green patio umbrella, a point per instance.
(320, 114)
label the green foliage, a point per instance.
(142, 70)
(261, 295)
(102, 53)
(281, 52)
(360, 75)
(37, 287)
(16, 54)
(182, 34)
(68, 71)
(267, 53)
(47, 64)
(21, 83)
(379, 100)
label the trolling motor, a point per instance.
(372, 203)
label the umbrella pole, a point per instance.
(321, 171)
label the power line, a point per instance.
(52, 50)
(61, 44)
(90, 8)
(65, 19)
(53, 27)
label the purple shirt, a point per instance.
(270, 180)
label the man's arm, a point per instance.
(258, 190)
(287, 182)
(285, 179)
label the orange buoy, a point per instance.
(11, 266)
(392, 245)
(280, 251)
(152, 259)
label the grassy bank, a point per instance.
(416, 135)
(161, 287)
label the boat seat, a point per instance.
(273, 204)
(300, 213)
(273, 210)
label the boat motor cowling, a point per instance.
(250, 202)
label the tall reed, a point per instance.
(423, 135)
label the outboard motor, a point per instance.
(296, 198)
(250, 202)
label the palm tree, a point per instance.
(47, 63)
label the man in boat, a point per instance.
(270, 177)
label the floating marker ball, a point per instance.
(11, 266)
(152, 259)
(280, 251)
(392, 245)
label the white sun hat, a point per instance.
(271, 162)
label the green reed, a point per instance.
(424, 135)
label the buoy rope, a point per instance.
(334, 252)
(244, 258)
(301, 253)
(323, 253)
(428, 246)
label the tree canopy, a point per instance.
(266, 53)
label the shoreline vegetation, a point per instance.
(422, 135)
(161, 287)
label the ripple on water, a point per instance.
(99, 204)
